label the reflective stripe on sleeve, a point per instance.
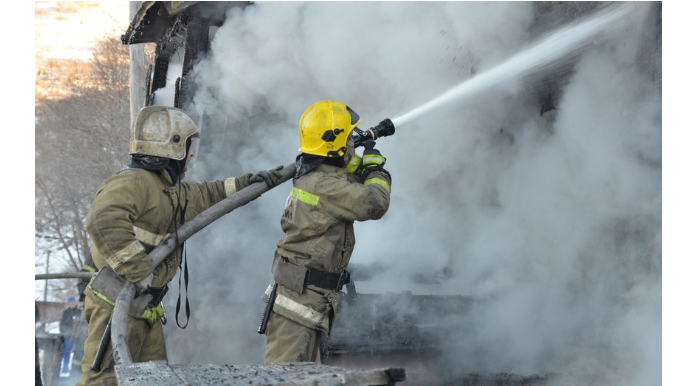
(229, 185)
(305, 197)
(125, 254)
(149, 238)
(379, 181)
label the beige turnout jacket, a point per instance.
(319, 234)
(134, 211)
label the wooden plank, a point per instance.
(205, 374)
(155, 373)
(285, 374)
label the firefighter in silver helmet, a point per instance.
(133, 212)
(332, 188)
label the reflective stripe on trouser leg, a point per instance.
(288, 341)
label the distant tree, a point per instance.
(82, 119)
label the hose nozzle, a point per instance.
(383, 129)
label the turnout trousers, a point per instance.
(289, 341)
(146, 342)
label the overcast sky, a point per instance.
(556, 217)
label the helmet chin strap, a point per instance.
(174, 171)
(334, 161)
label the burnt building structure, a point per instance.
(181, 32)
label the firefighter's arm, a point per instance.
(110, 224)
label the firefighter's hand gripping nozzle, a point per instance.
(383, 129)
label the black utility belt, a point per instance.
(297, 278)
(328, 280)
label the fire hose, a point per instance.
(116, 330)
(188, 229)
(118, 333)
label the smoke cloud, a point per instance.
(551, 215)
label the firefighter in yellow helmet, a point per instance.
(332, 188)
(133, 212)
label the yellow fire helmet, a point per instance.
(325, 127)
(162, 131)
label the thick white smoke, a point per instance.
(554, 217)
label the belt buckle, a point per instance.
(157, 293)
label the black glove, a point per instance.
(372, 157)
(270, 177)
(371, 160)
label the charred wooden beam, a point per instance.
(289, 374)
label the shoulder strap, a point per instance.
(179, 296)
(185, 272)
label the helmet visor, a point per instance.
(193, 149)
(354, 117)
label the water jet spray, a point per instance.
(558, 45)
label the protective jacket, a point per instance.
(318, 223)
(136, 209)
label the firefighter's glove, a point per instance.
(371, 160)
(372, 157)
(144, 284)
(270, 177)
